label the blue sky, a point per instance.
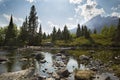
(57, 12)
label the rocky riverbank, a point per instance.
(19, 75)
(60, 66)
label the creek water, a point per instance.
(53, 63)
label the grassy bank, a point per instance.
(96, 40)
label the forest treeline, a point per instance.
(29, 35)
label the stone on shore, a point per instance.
(19, 75)
(84, 75)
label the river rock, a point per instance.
(56, 76)
(83, 57)
(64, 73)
(19, 75)
(84, 75)
(3, 60)
(39, 57)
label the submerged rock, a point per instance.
(3, 60)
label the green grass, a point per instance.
(104, 55)
(116, 69)
(101, 39)
(78, 53)
(96, 39)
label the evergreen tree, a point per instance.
(33, 24)
(44, 35)
(23, 37)
(86, 32)
(78, 32)
(105, 31)
(111, 31)
(40, 34)
(116, 36)
(82, 31)
(95, 31)
(2, 35)
(66, 34)
(54, 34)
(11, 34)
(59, 34)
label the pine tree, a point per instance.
(86, 32)
(33, 24)
(44, 35)
(66, 34)
(54, 34)
(116, 36)
(78, 32)
(40, 34)
(59, 34)
(11, 34)
(23, 37)
(82, 31)
(95, 31)
(105, 31)
(2, 35)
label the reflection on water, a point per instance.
(47, 66)
(14, 62)
(72, 65)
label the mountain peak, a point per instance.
(98, 22)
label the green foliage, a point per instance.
(11, 34)
(95, 31)
(2, 35)
(23, 37)
(101, 39)
(33, 24)
(44, 35)
(78, 53)
(78, 32)
(59, 34)
(54, 34)
(66, 34)
(108, 31)
(40, 35)
(86, 32)
(116, 36)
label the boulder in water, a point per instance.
(3, 60)
(39, 57)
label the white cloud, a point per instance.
(15, 19)
(115, 14)
(75, 1)
(39, 21)
(115, 8)
(31, 1)
(70, 25)
(51, 24)
(70, 19)
(88, 10)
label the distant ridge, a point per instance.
(98, 22)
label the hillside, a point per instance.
(99, 22)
